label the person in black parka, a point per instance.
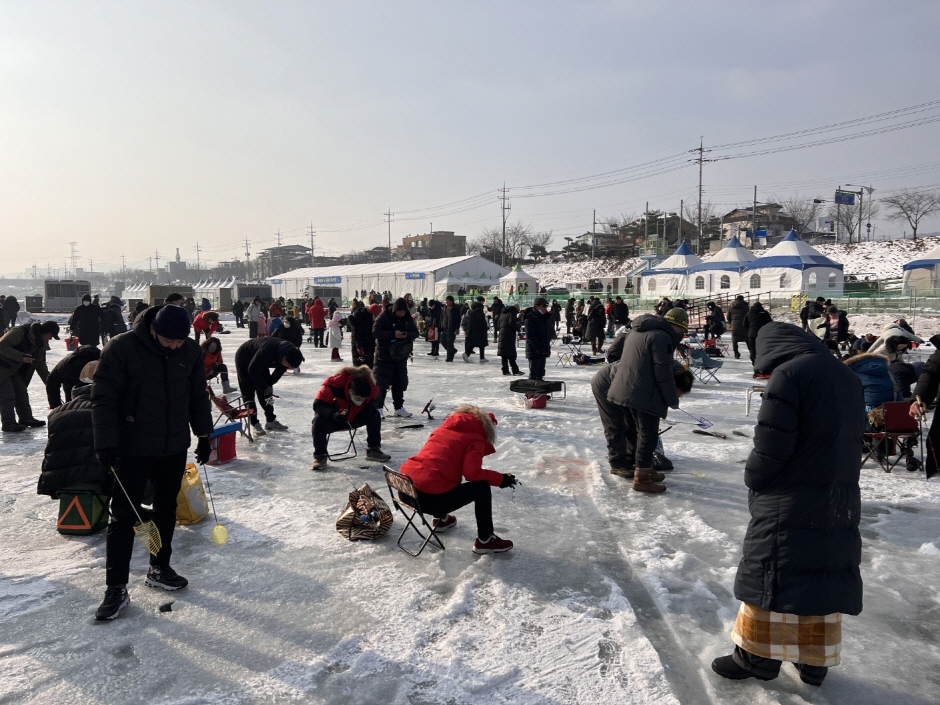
(755, 319)
(67, 374)
(924, 395)
(477, 332)
(149, 391)
(88, 320)
(509, 325)
(450, 326)
(290, 330)
(395, 332)
(496, 310)
(69, 463)
(254, 361)
(538, 337)
(802, 549)
(737, 312)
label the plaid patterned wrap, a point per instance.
(814, 641)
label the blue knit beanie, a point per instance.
(172, 322)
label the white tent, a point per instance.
(722, 273)
(793, 267)
(669, 277)
(449, 284)
(923, 273)
(516, 277)
(417, 277)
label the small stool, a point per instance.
(759, 389)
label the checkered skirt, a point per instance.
(814, 640)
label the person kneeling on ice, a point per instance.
(253, 362)
(346, 401)
(802, 550)
(149, 390)
(453, 452)
(644, 387)
(213, 365)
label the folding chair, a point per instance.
(901, 427)
(703, 366)
(406, 500)
(239, 412)
(349, 452)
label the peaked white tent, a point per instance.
(722, 273)
(669, 277)
(793, 267)
(516, 277)
(923, 273)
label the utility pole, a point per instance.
(593, 232)
(388, 219)
(278, 267)
(839, 216)
(700, 160)
(91, 266)
(197, 258)
(430, 240)
(124, 268)
(247, 261)
(754, 219)
(74, 256)
(646, 223)
(311, 232)
(505, 206)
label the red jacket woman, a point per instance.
(206, 322)
(213, 365)
(453, 452)
(317, 322)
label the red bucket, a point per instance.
(535, 400)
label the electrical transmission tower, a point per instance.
(74, 256)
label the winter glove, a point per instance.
(508, 481)
(340, 419)
(203, 450)
(107, 457)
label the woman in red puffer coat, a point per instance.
(317, 322)
(455, 452)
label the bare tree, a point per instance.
(537, 244)
(849, 217)
(912, 206)
(802, 210)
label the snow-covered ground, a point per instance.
(610, 596)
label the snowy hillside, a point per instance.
(880, 259)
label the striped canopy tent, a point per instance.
(449, 284)
(516, 277)
(793, 267)
(722, 273)
(669, 277)
(922, 274)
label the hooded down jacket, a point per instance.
(454, 451)
(644, 380)
(69, 463)
(67, 372)
(802, 548)
(477, 331)
(509, 325)
(878, 382)
(334, 393)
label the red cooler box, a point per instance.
(222, 442)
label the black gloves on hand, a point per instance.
(340, 419)
(107, 457)
(203, 450)
(508, 481)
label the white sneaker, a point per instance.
(403, 412)
(466, 358)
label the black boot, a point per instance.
(115, 599)
(165, 577)
(812, 675)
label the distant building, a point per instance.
(770, 225)
(276, 260)
(433, 245)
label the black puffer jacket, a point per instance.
(756, 319)
(509, 326)
(736, 313)
(390, 348)
(256, 358)
(615, 349)
(450, 319)
(538, 334)
(496, 310)
(145, 399)
(644, 379)
(361, 322)
(290, 330)
(802, 548)
(597, 321)
(66, 373)
(69, 463)
(477, 331)
(88, 322)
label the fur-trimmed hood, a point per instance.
(856, 359)
(360, 371)
(487, 419)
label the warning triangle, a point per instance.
(74, 504)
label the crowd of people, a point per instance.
(131, 416)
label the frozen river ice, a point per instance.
(609, 596)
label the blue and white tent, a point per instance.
(670, 276)
(722, 273)
(793, 267)
(923, 273)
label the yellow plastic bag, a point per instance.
(191, 504)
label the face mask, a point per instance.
(86, 303)
(358, 401)
(213, 349)
(86, 380)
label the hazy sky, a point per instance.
(135, 127)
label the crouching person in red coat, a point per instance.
(346, 401)
(453, 452)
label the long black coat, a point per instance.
(450, 319)
(69, 462)
(802, 548)
(756, 319)
(477, 331)
(736, 314)
(597, 321)
(65, 375)
(538, 334)
(391, 349)
(144, 399)
(644, 379)
(926, 390)
(88, 321)
(496, 310)
(361, 322)
(509, 326)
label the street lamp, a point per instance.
(861, 190)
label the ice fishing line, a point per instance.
(146, 532)
(219, 532)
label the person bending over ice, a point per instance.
(253, 362)
(454, 452)
(346, 401)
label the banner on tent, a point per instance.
(414, 275)
(327, 281)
